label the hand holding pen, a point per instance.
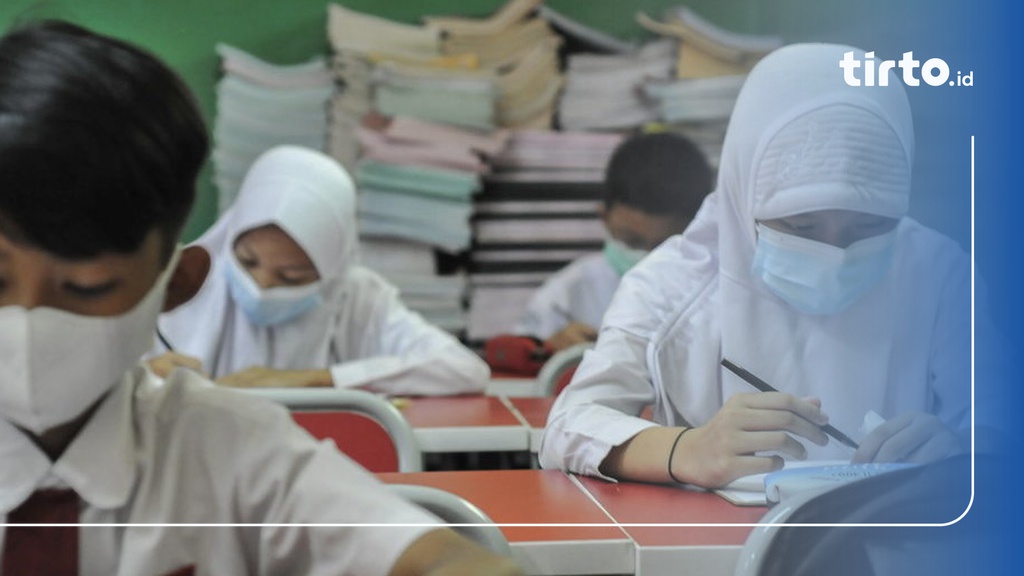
(732, 443)
(765, 387)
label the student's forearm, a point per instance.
(259, 376)
(442, 372)
(644, 457)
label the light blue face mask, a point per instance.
(818, 278)
(269, 307)
(622, 257)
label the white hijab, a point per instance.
(800, 140)
(309, 196)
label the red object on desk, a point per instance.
(516, 354)
(360, 437)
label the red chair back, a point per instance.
(362, 425)
(357, 435)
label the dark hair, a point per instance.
(662, 174)
(100, 143)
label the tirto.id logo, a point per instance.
(872, 72)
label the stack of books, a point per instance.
(603, 92)
(261, 105)
(416, 179)
(411, 267)
(519, 52)
(711, 66)
(499, 40)
(538, 211)
(358, 41)
(706, 49)
(351, 101)
(412, 125)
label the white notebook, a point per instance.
(798, 477)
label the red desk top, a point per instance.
(543, 497)
(464, 424)
(523, 497)
(457, 411)
(608, 543)
(635, 503)
(534, 410)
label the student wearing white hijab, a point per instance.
(287, 304)
(803, 268)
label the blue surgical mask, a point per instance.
(622, 257)
(818, 278)
(273, 306)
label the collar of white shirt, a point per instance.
(99, 464)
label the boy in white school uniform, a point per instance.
(654, 184)
(100, 145)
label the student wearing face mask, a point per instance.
(287, 304)
(802, 268)
(104, 467)
(654, 184)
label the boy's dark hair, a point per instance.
(661, 174)
(100, 143)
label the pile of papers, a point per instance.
(410, 267)
(358, 42)
(419, 114)
(605, 91)
(416, 180)
(711, 65)
(428, 205)
(538, 211)
(262, 105)
(458, 97)
(519, 51)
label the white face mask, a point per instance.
(54, 364)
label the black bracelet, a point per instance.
(673, 452)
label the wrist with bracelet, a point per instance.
(672, 453)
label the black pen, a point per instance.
(766, 387)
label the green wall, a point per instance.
(184, 33)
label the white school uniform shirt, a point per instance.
(362, 333)
(580, 292)
(799, 140)
(188, 452)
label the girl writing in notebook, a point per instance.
(286, 302)
(804, 269)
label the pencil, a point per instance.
(766, 387)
